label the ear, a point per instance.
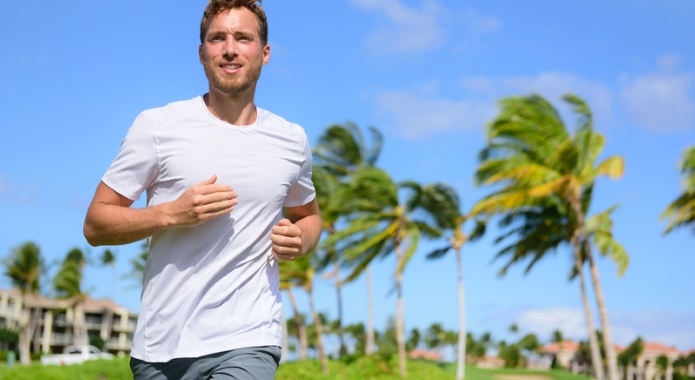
(266, 54)
(200, 54)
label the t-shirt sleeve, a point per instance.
(135, 167)
(302, 191)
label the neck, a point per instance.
(233, 109)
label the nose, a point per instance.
(230, 47)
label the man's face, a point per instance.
(232, 53)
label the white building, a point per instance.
(61, 321)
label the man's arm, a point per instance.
(111, 221)
(298, 233)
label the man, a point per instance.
(229, 193)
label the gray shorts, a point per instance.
(252, 363)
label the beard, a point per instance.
(233, 85)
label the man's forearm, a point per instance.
(311, 231)
(108, 224)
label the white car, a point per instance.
(75, 355)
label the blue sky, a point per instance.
(428, 74)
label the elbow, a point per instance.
(90, 234)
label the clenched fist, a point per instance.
(286, 240)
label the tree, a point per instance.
(529, 344)
(68, 284)
(24, 268)
(434, 336)
(414, 339)
(8, 339)
(542, 171)
(386, 222)
(681, 212)
(341, 151)
(333, 202)
(442, 202)
(358, 334)
(511, 354)
(300, 273)
(630, 355)
(662, 363)
(108, 257)
(138, 264)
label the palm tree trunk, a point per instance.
(339, 294)
(25, 333)
(603, 315)
(593, 343)
(578, 241)
(400, 325)
(285, 338)
(319, 335)
(461, 360)
(369, 347)
(301, 328)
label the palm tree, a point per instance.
(541, 231)
(300, 273)
(138, 264)
(681, 212)
(108, 257)
(334, 203)
(630, 355)
(343, 150)
(386, 223)
(24, 268)
(68, 284)
(442, 202)
(543, 169)
(435, 337)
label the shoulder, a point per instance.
(275, 121)
(173, 111)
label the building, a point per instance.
(562, 353)
(645, 367)
(61, 322)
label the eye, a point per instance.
(217, 38)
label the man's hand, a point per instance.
(202, 202)
(287, 240)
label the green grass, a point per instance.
(117, 369)
(359, 369)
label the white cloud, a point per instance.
(543, 322)
(553, 86)
(661, 100)
(669, 328)
(14, 194)
(416, 115)
(422, 112)
(415, 30)
(407, 29)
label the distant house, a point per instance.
(57, 318)
(562, 353)
(645, 366)
(426, 355)
(489, 362)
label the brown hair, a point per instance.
(216, 6)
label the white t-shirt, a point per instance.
(213, 287)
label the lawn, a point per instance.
(359, 369)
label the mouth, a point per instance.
(230, 67)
